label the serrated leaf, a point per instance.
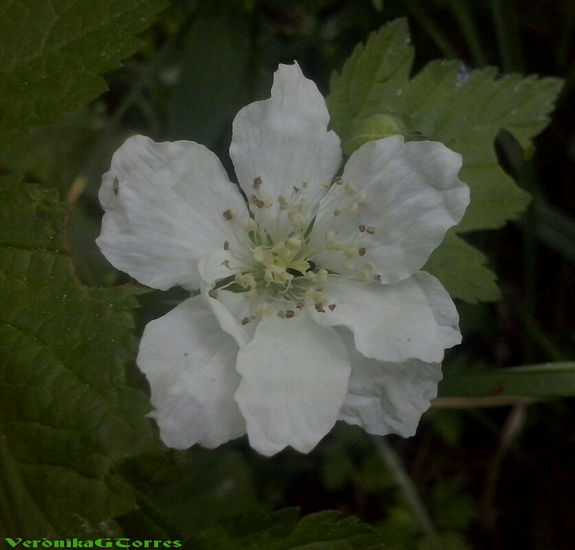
(462, 270)
(545, 380)
(464, 109)
(67, 416)
(326, 530)
(445, 101)
(197, 488)
(53, 154)
(52, 54)
(373, 73)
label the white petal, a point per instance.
(231, 309)
(165, 205)
(294, 378)
(284, 142)
(412, 319)
(189, 362)
(396, 203)
(386, 398)
(233, 313)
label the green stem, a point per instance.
(428, 24)
(462, 13)
(505, 21)
(393, 462)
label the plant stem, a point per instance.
(406, 486)
(505, 21)
(430, 27)
(462, 13)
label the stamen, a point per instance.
(250, 225)
(258, 202)
(353, 208)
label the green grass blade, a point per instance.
(540, 381)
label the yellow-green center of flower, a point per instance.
(281, 262)
(282, 271)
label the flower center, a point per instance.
(277, 275)
(282, 275)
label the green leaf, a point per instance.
(462, 270)
(326, 530)
(464, 109)
(373, 73)
(545, 380)
(53, 154)
(52, 54)
(67, 417)
(197, 488)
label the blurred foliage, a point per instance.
(492, 477)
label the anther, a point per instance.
(370, 229)
(257, 182)
(116, 186)
(338, 181)
(258, 202)
(362, 251)
(319, 308)
(228, 214)
(377, 278)
(213, 293)
(362, 228)
(331, 307)
(226, 245)
(289, 313)
(245, 320)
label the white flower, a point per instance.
(312, 306)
